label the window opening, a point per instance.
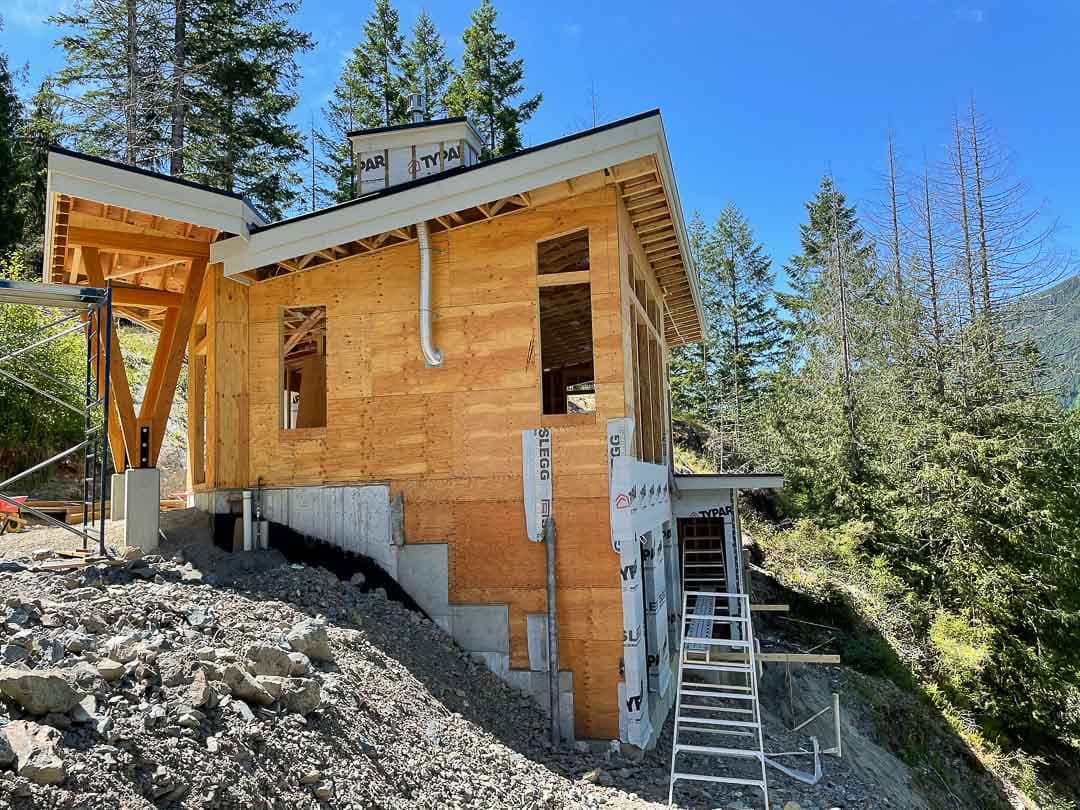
(566, 345)
(303, 367)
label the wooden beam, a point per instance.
(563, 279)
(171, 360)
(303, 329)
(633, 169)
(145, 297)
(141, 244)
(131, 271)
(778, 658)
(122, 410)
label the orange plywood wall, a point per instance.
(449, 438)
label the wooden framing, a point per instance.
(447, 440)
(123, 440)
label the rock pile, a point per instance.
(245, 682)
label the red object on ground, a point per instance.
(10, 508)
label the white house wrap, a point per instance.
(640, 506)
(536, 469)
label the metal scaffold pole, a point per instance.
(94, 307)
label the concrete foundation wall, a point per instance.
(362, 519)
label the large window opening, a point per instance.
(650, 370)
(566, 345)
(303, 368)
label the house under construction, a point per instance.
(424, 375)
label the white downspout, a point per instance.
(432, 356)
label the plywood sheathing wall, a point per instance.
(223, 311)
(447, 438)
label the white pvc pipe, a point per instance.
(432, 356)
(248, 543)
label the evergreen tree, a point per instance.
(691, 378)
(371, 92)
(238, 134)
(489, 82)
(10, 122)
(115, 102)
(40, 129)
(199, 89)
(426, 66)
(718, 381)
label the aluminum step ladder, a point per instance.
(717, 710)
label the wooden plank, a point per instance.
(122, 405)
(140, 244)
(171, 359)
(778, 658)
(563, 279)
(144, 296)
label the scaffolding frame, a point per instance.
(89, 311)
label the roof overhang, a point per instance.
(400, 207)
(103, 181)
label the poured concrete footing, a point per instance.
(116, 496)
(142, 496)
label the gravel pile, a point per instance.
(210, 680)
(201, 679)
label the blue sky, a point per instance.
(759, 99)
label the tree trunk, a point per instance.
(897, 272)
(131, 119)
(845, 343)
(735, 351)
(965, 225)
(935, 308)
(984, 258)
(179, 105)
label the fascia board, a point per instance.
(107, 184)
(436, 133)
(50, 221)
(690, 268)
(480, 185)
(701, 482)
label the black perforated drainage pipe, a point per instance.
(299, 548)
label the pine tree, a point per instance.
(489, 82)
(427, 69)
(10, 122)
(115, 102)
(238, 135)
(738, 288)
(370, 92)
(40, 129)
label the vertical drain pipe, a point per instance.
(433, 358)
(248, 525)
(552, 634)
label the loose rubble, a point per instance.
(204, 680)
(199, 679)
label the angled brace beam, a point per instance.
(122, 413)
(169, 357)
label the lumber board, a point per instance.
(122, 404)
(141, 244)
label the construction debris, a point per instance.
(264, 685)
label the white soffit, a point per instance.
(149, 193)
(486, 182)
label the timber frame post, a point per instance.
(165, 369)
(123, 441)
